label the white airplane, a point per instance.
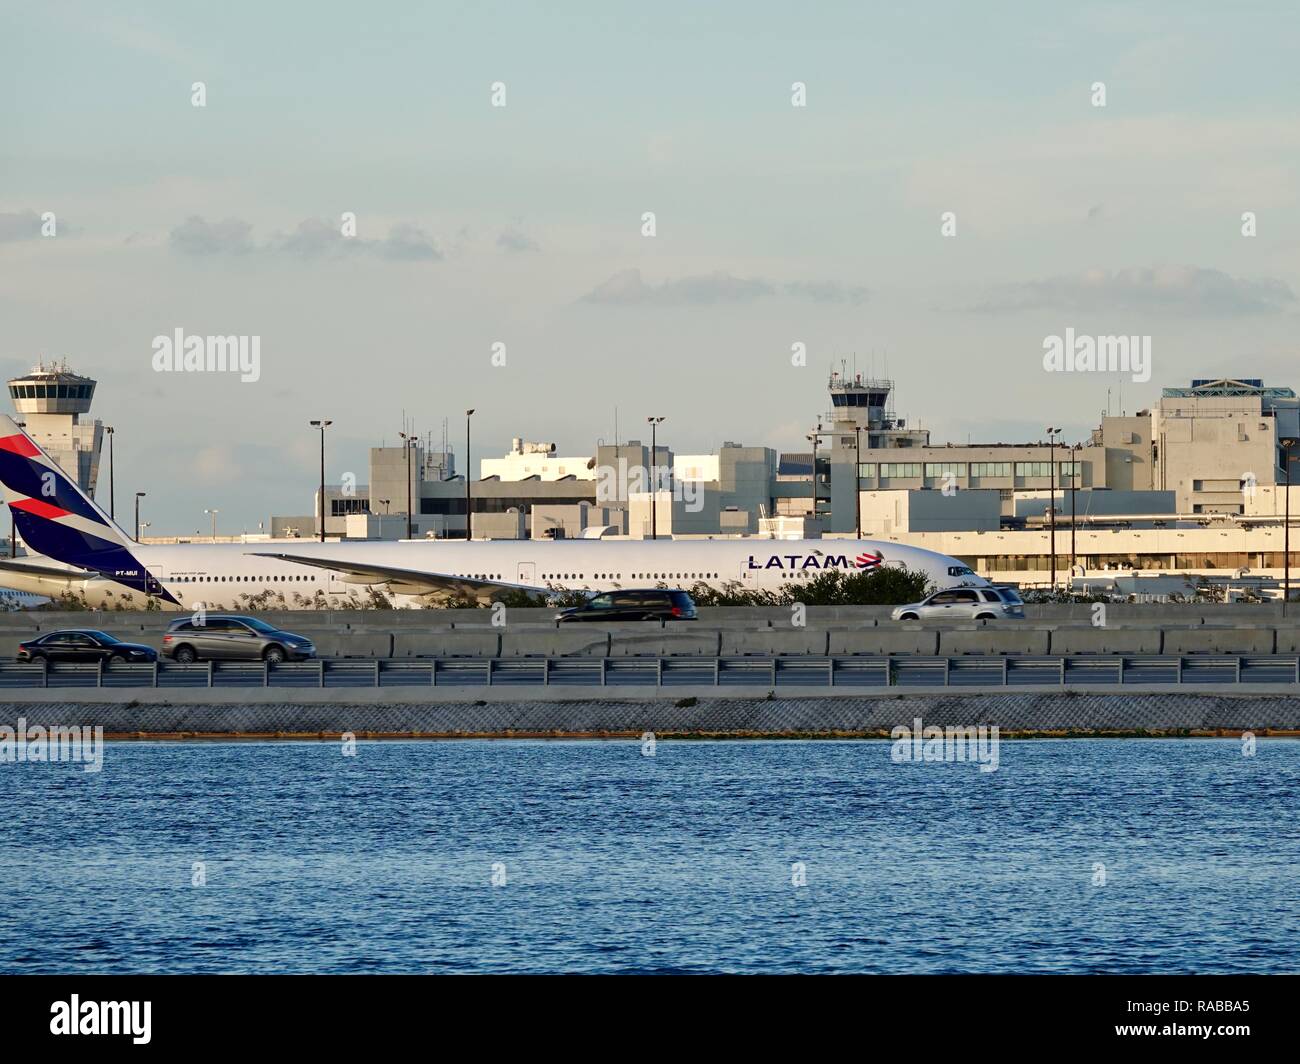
(84, 553)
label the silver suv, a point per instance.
(233, 638)
(965, 604)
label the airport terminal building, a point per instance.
(1195, 484)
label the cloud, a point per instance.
(409, 243)
(826, 292)
(19, 225)
(628, 288)
(514, 240)
(313, 239)
(195, 236)
(1190, 289)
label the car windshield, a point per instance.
(256, 625)
(1010, 594)
(103, 637)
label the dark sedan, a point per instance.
(652, 604)
(83, 645)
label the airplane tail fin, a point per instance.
(53, 515)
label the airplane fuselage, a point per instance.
(240, 575)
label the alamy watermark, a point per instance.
(39, 744)
(975, 743)
(617, 482)
(1098, 354)
(179, 353)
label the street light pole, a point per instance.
(112, 494)
(214, 522)
(469, 513)
(1074, 472)
(322, 425)
(408, 441)
(1051, 504)
(138, 496)
(857, 476)
(1286, 530)
(654, 476)
(13, 523)
(812, 438)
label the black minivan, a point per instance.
(656, 604)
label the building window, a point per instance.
(943, 469)
(899, 469)
(990, 469)
(1033, 469)
(350, 505)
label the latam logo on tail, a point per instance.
(869, 560)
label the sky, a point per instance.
(523, 225)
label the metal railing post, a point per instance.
(546, 671)
(320, 662)
(376, 672)
(99, 673)
(604, 667)
(489, 671)
(433, 672)
(211, 665)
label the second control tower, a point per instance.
(50, 401)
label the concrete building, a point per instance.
(1220, 438)
(888, 513)
(51, 402)
(539, 460)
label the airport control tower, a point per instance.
(861, 420)
(50, 401)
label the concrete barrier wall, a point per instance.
(994, 640)
(876, 641)
(737, 632)
(1219, 641)
(775, 642)
(446, 644)
(354, 645)
(576, 641)
(1105, 641)
(670, 642)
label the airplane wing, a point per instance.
(47, 571)
(409, 581)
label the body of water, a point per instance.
(494, 856)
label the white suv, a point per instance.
(965, 604)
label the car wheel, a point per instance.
(909, 617)
(117, 659)
(186, 655)
(36, 656)
(273, 655)
(984, 616)
(650, 617)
